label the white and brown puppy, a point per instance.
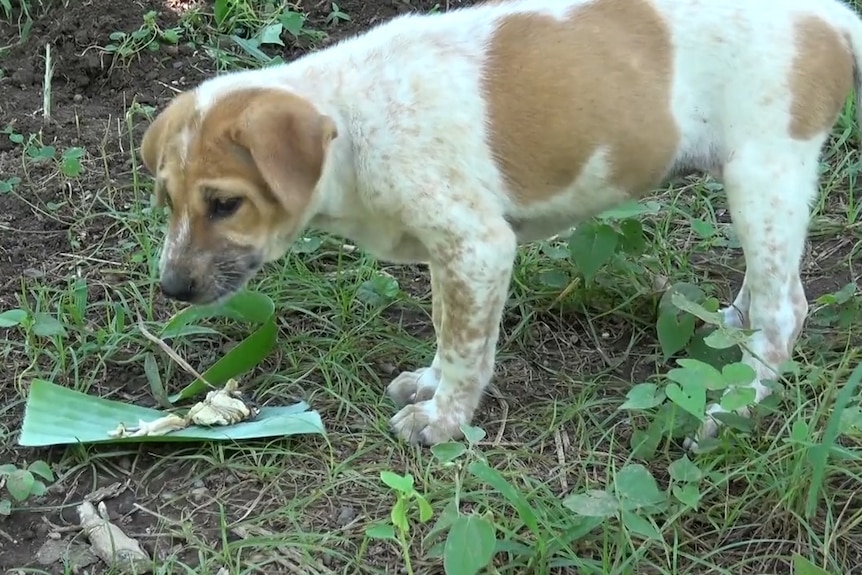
(451, 138)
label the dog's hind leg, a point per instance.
(770, 187)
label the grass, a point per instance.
(558, 476)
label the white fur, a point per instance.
(410, 176)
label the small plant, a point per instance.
(23, 483)
(149, 36)
(336, 16)
(399, 527)
(70, 162)
(470, 541)
(7, 185)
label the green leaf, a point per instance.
(469, 545)
(292, 21)
(221, 10)
(378, 291)
(444, 521)
(738, 398)
(688, 494)
(252, 307)
(696, 371)
(685, 304)
(449, 451)
(593, 503)
(398, 515)
(5, 507)
(554, 279)
(53, 416)
(250, 46)
(691, 397)
(643, 396)
(71, 162)
(799, 432)
(640, 526)
(637, 488)
(245, 306)
(802, 566)
(632, 241)
(381, 531)
(38, 489)
(473, 434)
(591, 245)
(738, 373)
(245, 356)
(492, 477)
(724, 338)
(154, 378)
(684, 471)
(631, 209)
(19, 483)
(644, 443)
(674, 332)
(697, 349)
(851, 421)
(702, 228)
(272, 34)
(425, 510)
(402, 483)
(12, 318)
(45, 325)
(41, 469)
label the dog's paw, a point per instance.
(710, 426)
(412, 387)
(423, 423)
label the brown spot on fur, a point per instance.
(264, 146)
(558, 91)
(821, 79)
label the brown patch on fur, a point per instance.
(557, 91)
(160, 136)
(821, 79)
(264, 146)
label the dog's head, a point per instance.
(238, 180)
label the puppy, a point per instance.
(452, 138)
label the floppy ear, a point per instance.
(287, 139)
(166, 124)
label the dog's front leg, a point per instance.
(471, 271)
(420, 385)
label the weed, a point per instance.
(23, 483)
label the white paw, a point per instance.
(424, 423)
(413, 386)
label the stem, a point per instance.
(405, 552)
(46, 86)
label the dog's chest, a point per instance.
(383, 239)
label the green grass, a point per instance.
(557, 472)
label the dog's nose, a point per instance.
(178, 286)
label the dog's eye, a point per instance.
(224, 207)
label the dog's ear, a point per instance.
(161, 130)
(287, 139)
